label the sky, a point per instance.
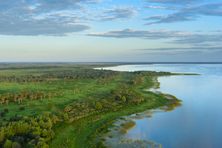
(110, 30)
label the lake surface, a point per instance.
(198, 122)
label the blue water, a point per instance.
(198, 122)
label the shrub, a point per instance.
(123, 99)
(8, 144)
(98, 106)
(16, 145)
(2, 114)
(22, 108)
(6, 110)
(2, 136)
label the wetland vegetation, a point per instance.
(70, 105)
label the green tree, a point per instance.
(2, 136)
(8, 144)
(98, 106)
(123, 99)
(16, 145)
(66, 117)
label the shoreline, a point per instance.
(83, 102)
(117, 138)
(90, 129)
(116, 130)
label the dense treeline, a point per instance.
(80, 74)
(60, 75)
(28, 132)
(115, 100)
(22, 79)
(26, 95)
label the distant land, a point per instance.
(110, 62)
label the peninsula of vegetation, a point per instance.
(69, 105)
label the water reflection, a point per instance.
(198, 122)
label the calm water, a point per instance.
(198, 122)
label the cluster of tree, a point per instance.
(115, 100)
(137, 77)
(64, 75)
(22, 79)
(152, 73)
(133, 78)
(128, 95)
(38, 131)
(80, 74)
(21, 96)
(28, 132)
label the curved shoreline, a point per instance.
(115, 137)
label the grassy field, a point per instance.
(69, 105)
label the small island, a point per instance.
(71, 105)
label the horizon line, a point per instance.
(100, 62)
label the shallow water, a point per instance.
(198, 122)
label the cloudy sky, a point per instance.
(110, 30)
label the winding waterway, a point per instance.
(195, 124)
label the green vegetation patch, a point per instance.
(67, 105)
